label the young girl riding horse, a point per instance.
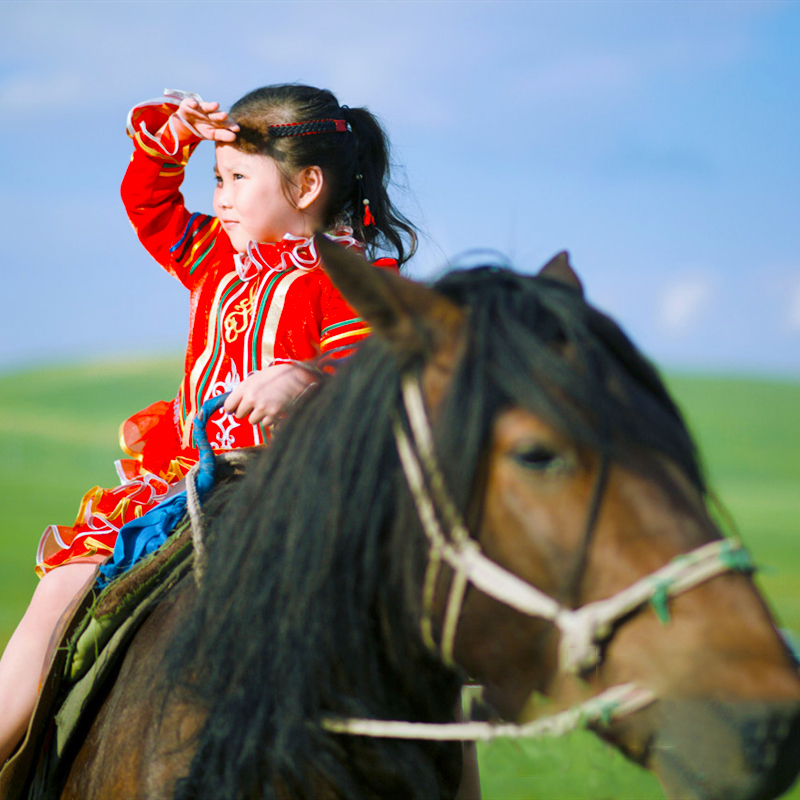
(264, 317)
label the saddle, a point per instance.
(94, 637)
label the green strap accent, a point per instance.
(606, 713)
(660, 601)
(736, 559)
(603, 717)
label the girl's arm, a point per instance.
(342, 328)
(165, 132)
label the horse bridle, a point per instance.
(583, 629)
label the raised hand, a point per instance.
(206, 120)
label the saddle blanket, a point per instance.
(94, 638)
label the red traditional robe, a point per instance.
(272, 304)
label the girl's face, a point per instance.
(251, 202)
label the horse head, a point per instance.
(571, 546)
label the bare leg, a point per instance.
(23, 659)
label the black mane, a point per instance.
(311, 598)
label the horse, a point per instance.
(497, 487)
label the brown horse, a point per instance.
(482, 490)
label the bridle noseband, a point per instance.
(583, 630)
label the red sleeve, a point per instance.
(342, 328)
(181, 242)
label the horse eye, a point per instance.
(539, 458)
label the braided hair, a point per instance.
(348, 144)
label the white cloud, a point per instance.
(683, 303)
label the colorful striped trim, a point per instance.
(354, 321)
(205, 363)
(269, 331)
(189, 234)
(194, 238)
(257, 344)
(210, 364)
(171, 170)
(201, 259)
(359, 333)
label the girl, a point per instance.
(264, 318)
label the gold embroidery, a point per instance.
(237, 320)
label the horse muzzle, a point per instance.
(710, 750)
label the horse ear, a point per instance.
(410, 316)
(558, 268)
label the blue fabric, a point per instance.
(145, 535)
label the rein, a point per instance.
(583, 629)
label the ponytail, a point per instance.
(285, 122)
(370, 195)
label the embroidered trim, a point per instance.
(292, 252)
(164, 142)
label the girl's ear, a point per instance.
(309, 183)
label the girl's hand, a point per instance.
(206, 120)
(265, 394)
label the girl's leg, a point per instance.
(23, 659)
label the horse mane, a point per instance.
(310, 602)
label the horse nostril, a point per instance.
(773, 748)
(762, 741)
(736, 751)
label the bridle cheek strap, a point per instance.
(582, 629)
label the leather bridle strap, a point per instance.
(572, 586)
(617, 701)
(582, 629)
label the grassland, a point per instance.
(58, 432)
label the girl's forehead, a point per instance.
(229, 156)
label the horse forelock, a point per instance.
(536, 343)
(317, 554)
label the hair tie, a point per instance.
(307, 128)
(368, 218)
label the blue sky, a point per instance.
(657, 141)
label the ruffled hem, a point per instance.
(157, 462)
(101, 515)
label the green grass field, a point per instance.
(58, 434)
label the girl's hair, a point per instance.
(362, 149)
